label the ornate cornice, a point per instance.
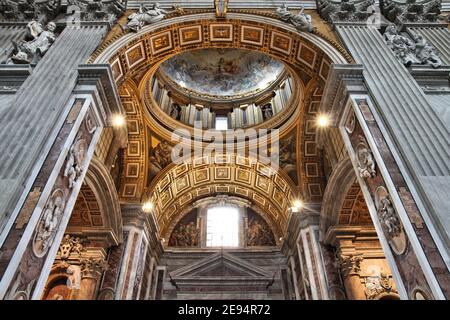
(411, 11)
(70, 12)
(346, 11)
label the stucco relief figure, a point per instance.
(300, 21)
(388, 218)
(366, 163)
(75, 158)
(376, 285)
(33, 50)
(145, 16)
(185, 235)
(48, 225)
(160, 157)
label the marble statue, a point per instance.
(175, 111)
(403, 48)
(411, 51)
(32, 51)
(301, 21)
(267, 111)
(425, 52)
(144, 16)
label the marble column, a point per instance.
(350, 269)
(310, 256)
(92, 269)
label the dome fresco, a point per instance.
(222, 72)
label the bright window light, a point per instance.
(221, 123)
(222, 227)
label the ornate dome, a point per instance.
(222, 73)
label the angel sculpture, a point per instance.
(300, 21)
(32, 51)
(137, 21)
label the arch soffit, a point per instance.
(178, 186)
(100, 182)
(341, 180)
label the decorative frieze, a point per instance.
(26, 10)
(73, 11)
(95, 10)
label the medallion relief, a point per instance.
(389, 221)
(49, 223)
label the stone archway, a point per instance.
(132, 56)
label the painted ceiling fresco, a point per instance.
(222, 72)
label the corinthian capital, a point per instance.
(93, 267)
(350, 264)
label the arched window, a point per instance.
(222, 227)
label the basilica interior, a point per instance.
(224, 149)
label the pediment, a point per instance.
(221, 265)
